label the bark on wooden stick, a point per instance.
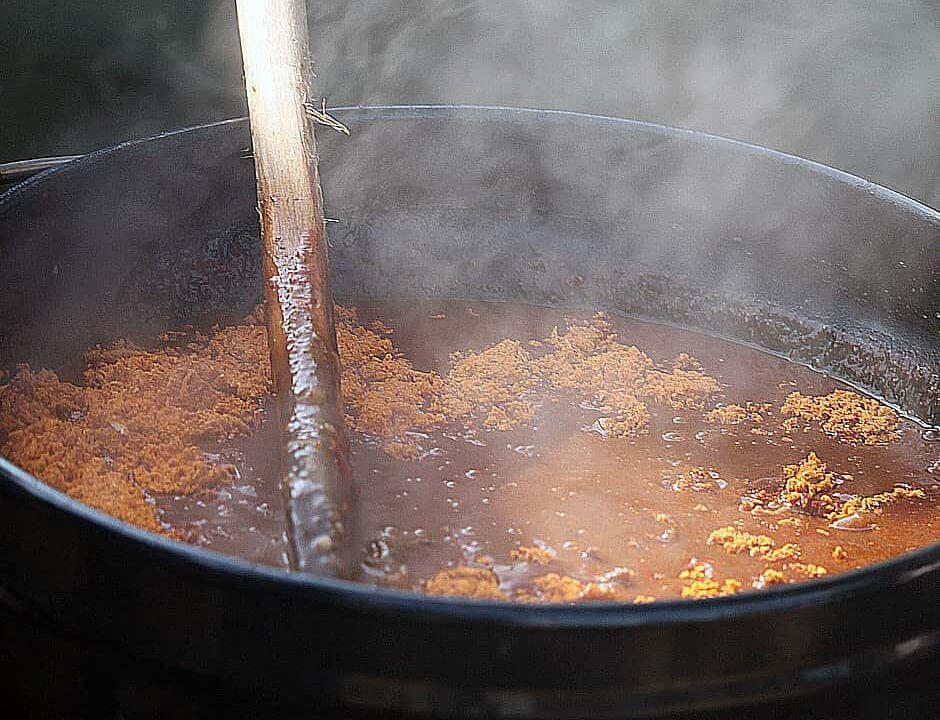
(298, 301)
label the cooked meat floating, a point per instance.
(506, 453)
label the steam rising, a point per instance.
(848, 83)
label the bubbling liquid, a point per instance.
(569, 460)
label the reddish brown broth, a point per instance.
(603, 509)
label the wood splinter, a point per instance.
(298, 302)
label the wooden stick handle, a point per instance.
(298, 302)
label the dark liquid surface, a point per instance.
(597, 503)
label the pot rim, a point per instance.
(375, 112)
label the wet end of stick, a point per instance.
(316, 474)
(315, 500)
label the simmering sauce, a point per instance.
(551, 459)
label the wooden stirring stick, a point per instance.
(298, 301)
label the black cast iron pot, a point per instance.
(539, 207)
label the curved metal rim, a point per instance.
(894, 571)
(401, 111)
(17, 170)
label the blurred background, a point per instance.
(850, 83)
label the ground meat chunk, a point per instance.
(845, 415)
(466, 582)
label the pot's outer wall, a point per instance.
(549, 208)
